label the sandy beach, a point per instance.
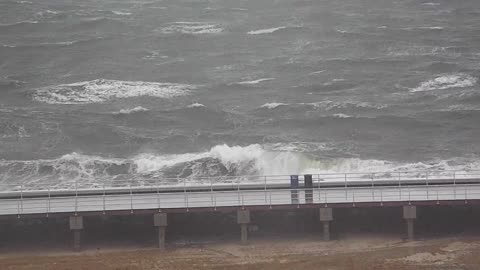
(352, 252)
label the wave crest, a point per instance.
(193, 28)
(221, 160)
(100, 90)
(446, 82)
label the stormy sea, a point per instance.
(113, 90)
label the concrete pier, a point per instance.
(326, 216)
(160, 220)
(76, 226)
(243, 218)
(410, 214)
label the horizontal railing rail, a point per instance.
(239, 198)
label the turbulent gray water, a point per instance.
(127, 89)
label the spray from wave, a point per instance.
(99, 91)
(221, 160)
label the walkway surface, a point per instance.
(269, 193)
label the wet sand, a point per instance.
(352, 252)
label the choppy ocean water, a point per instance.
(107, 90)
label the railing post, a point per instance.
(131, 198)
(49, 196)
(76, 196)
(353, 196)
(21, 199)
(270, 199)
(426, 181)
(211, 190)
(185, 198)
(158, 195)
(399, 186)
(243, 202)
(238, 190)
(104, 194)
(454, 185)
(265, 189)
(319, 193)
(381, 195)
(346, 192)
(373, 187)
(409, 195)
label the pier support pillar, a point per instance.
(243, 218)
(326, 216)
(76, 226)
(160, 221)
(410, 214)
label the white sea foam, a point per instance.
(431, 27)
(277, 159)
(447, 81)
(331, 105)
(341, 115)
(266, 160)
(20, 22)
(430, 4)
(255, 81)
(196, 105)
(100, 90)
(121, 13)
(194, 28)
(266, 31)
(316, 72)
(132, 110)
(273, 105)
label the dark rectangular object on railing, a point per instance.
(294, 187)
(308, 188)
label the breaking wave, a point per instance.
(273, 105)
(100, 90)
(221, 160)
(266, 31)
(133, 110)
(196, 105)
(446, 82)
(253, 82)
(193, 28)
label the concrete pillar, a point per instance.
(410, 214)
(76, 225)
(326, 216)
(243, 218)
(160, 221)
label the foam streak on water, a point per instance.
(98, 91)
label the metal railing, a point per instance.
(247, 191)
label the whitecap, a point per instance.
(255, 81)
(121, 13)
(101, 90)
(341, 115)
(132, 110)
(266, 31)
(316, 72)
(193, 28)
(196, 105)
(20, 22)
(430, 4)
(273, 105)
(446, 81)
